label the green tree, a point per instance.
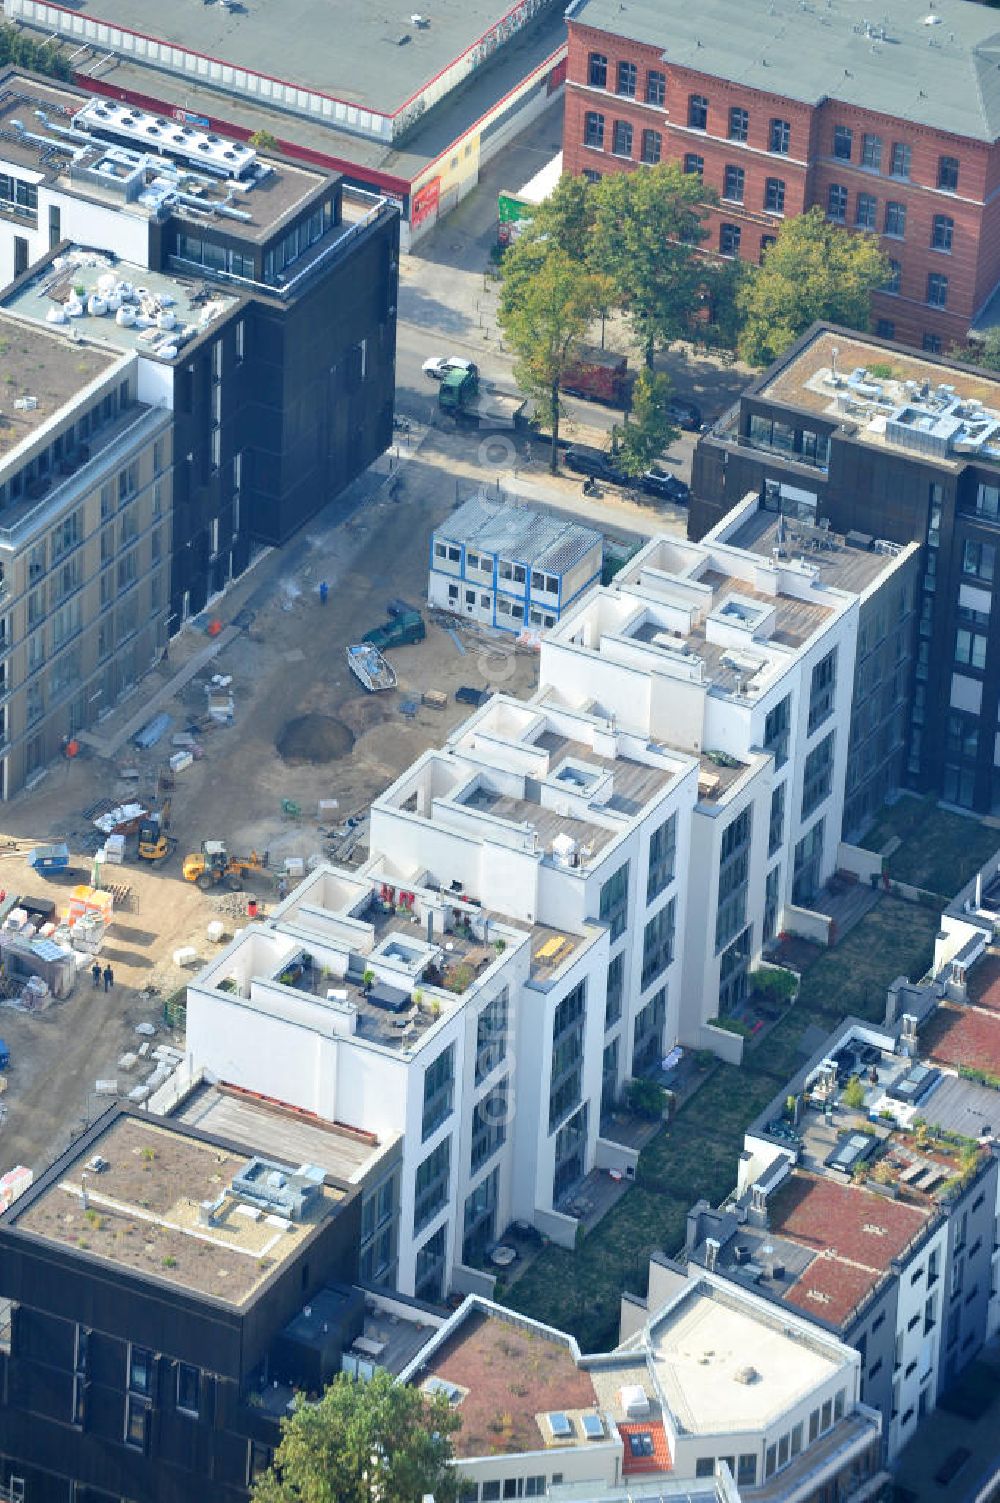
(649, 430)
(984, 352)
(25, 52)
(566, 217)
(263, 140)
(547, 302)
(854, 1094)
(375, 1442)
(647, 228)
(813, 270)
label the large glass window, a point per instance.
(937, 290)
(979, 559)
(627, 77)
(570, 1152)
(489, 1125)
(188, 1387)
(780, 137)
(817, 777)
(822, 690)
(899, 162)
(777, 726)
(622, 139)
(662, 855)
(656, 87)
(698, 112)
(734, 179)
(593, 129)
(729, 239)
(739, 124)
(942, 232)
(480, 1217)
(597, 70)
(566, 1074)
(865, 210)
(836, 202)
(431, 1184)
(694, 165)
(948, 173)
(970, 648)
(613, 907)
(843, 141)
(895, 219)
(616, 987)
(734, 871)
(652, 147)
(774, 195)
(805, 871)
(429, 1269)
(871, 152)
(439, 1090)
(491, 1035)
(658, 944)
(776, 826)
(647, 1032)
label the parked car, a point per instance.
(439, 366)
(466, 695)
(586, 460)
(659, 482)
(686, 415)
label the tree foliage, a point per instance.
(646, 231)
(649, 430)
(566, 217)
(983, 352)
(25, 52)
(813, 271)
(547, 302)
(375, 1442)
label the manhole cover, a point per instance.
(314, 738)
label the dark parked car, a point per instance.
(660, 482)
(586, 460)
(469, 696)
(686, 415)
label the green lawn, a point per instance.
(940, 851)
(696, 1156)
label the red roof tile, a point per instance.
(855, 1224)
(958, 1035)
(830, 1289)
(660, 1461)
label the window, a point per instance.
(779, 139)
(615, 989)
(865, 210)
(658, 944)
(776, 731)
(931, 344)
(628, 75)
(739, 124)
(937, 290)
(698, 112)
(597, 70)
(774, 195)
(942, 232)
(662, 854)
(805, 871)
(652, 147)
(822, 689)
(694, 165)
(729, 239)
(188, 1386)
(947, 177)
(746, 1470)
(656, 87)
(137, 1413)
(622, 139)
(817, 776)
(647, 1032)
(891, 283)
(836, 202)
(733, 182)
(431, 1184)
(895, 219)
(140, 1370)
(871, 152)
(704, 1466)
(491, 1036)
(899, 160)
(128, 483)
(439, 1090)
(613, 907)
(766, 241)
(776, 826)
(429, 1271)
(593, 130)
(979, 559)
(843, 139)
(970, 649)
(566, 1074)
(734, 871)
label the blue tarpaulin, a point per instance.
(151, 732)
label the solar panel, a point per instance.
(560, 1425)
(593, 1426)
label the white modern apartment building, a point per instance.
(565, 890)
(715, 1396)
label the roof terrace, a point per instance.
(40, 375)
(850, 563)
(146, 1197)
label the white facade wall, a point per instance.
(64, 216)
(915, 1392)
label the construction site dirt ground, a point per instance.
(292, 688)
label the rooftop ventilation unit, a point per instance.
(634, 1401)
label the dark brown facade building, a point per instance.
(890, 126)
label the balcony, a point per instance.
(850, 1452)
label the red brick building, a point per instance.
(891, 127)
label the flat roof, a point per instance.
(279, 1132)
(962, 1035)
(983, 982)
(839, 563)
(39, 369)
(188, 305)
(156, 155)
(142, 1211)
(364, 55)
(724, 1367)
(508, 1368)
(520, 534)
(942, 75)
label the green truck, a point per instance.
(461, 395)
(400, 631)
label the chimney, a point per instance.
(712, 1246)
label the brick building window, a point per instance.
(865, 211)
(652, 146)
(891, 283)
(899, 160)
(871, 152)
(593, 130)
(895, 219)
(656, 86)
(729, 239)
(694, 165)
(843, 142)
(628, 75)
(942, 232)
(591, 176)
(597, 70)
(948, 173)
(697, 112)
(739, 124)
(766, 241)
(836, 202)
(931, 343)
(622, 139)
(937, 290)
(733, 182)
(780, 138)
(885, 328)
(774, 195)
